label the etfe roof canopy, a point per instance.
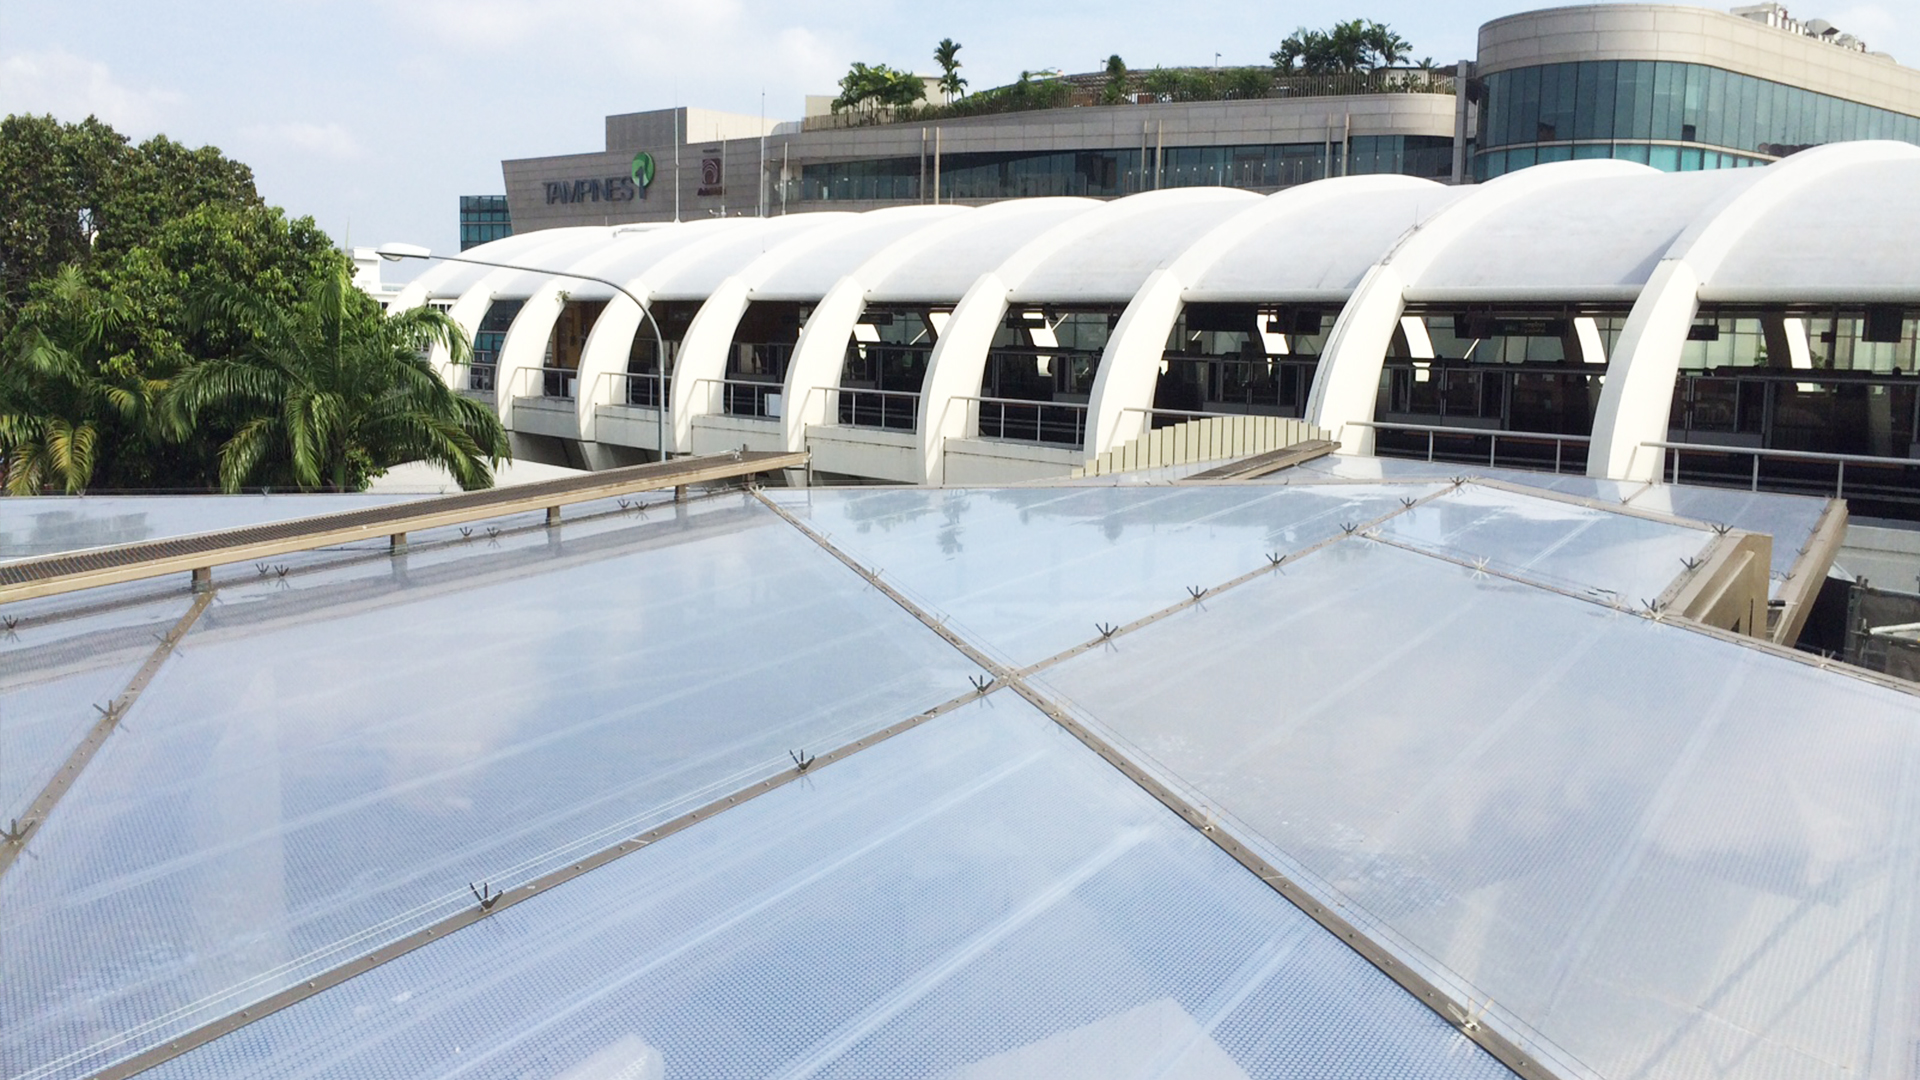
(1360, 778)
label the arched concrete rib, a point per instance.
(960, 356)
(1130, 365)
(1347, 383)
(1638, 396)
(821, 352)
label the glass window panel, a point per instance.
(898, 915)
(1628, 79)
(1664, 158)
(1027, 573)
(1523, 125)
(323, 768)
(1666, 101)
(1607, 825)
(1590, 103)
(1693, 101)
(1565, 107)
(1544, 129)
(1713, 122)
(1642, 124)
(1631, 152)
(1521, 158)
(1742, 103)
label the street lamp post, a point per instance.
(396, 252)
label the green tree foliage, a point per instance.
(64, 397)
(106, 250)
(947, 55)
(329, 392)
(83, 195)
(1207, 84)
(1115, 90)
(1354, 45)
(870, 89)
(1025, 94)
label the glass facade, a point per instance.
(1675, 117)
(1112, 173)
(483, 219)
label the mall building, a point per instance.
(1681, 89)
(1674, 264)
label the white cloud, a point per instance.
(319, 140)
(73, 87)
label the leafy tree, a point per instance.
(870, 89)
(947, 55)
(1207, 84)
(329, 392)
(62, 398)
(1115, 91)
(1351, 46)
(1384, 47)
(82, 194)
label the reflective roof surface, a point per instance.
(1053, 780)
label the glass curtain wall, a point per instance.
(1521, 370)
(483, 219)
(886, 364)
(1675, 117)
(1047, 353)
(645, 386)
(1112, 173)
(757, 363)
(487, 340)
(1833, 380)
(561, 365)
(1239, 358)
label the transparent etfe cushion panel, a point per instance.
(47, 526)
(1789, 519)
(319, 771)
(978, 898)
(60, 667)
(1627, 558)
(1027, 573)
(1666, 854)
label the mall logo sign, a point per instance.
(612, 189)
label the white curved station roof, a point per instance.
(1320, 250)
(1585, 240)
(1847, 236)
(942, 269)
(808, 274)
(1595, 238)
(1135, 237)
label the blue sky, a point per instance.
(375, 118)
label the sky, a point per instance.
(373, 118)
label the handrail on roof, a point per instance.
(67, 572)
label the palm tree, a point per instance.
(59, 404)
(331, 391)
(947, 55)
